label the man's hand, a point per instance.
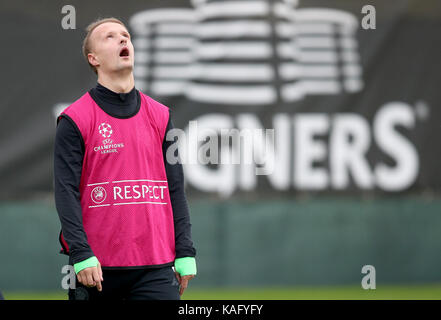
(183, 282)
(91, 277)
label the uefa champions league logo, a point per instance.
(105, 130)
(107, 146)
(239, 52)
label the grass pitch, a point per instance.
(409, 292)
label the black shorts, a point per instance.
(133, 284)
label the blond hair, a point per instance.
(89, 29)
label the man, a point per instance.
(122, 205)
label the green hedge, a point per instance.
(320, 241)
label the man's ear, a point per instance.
(93, 60)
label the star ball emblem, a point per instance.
(105, 130)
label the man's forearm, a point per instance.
(181, 216)
(68, 158)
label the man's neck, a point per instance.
(117, 83)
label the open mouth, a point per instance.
(124, 52)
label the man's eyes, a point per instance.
(124, 35)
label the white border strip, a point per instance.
(139, 180)
(124, 203)
(95, 184)
(101, 205)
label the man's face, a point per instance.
(112, 49)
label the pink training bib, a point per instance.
(127, 214)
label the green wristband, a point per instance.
(185, 266)
(91, 262)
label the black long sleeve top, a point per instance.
(68, 159)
